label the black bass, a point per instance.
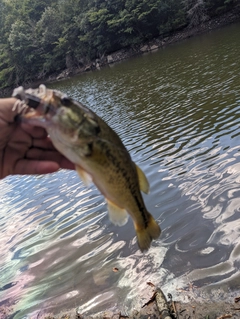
(98, 154)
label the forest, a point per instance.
(42, 37)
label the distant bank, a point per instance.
(154, 44)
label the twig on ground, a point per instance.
(162, 305)
(225, 316)
(150, 300)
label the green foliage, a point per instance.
(216, 7)
(41, 37)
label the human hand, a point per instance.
(25, 149)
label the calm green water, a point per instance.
(178, 112)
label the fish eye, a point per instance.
(66, 101)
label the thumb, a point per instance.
(7, 110)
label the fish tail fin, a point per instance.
(147, 234)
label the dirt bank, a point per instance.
(159, 307)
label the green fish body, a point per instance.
(98, 154)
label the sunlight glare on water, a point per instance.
(178, 113)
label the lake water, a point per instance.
(177, 111)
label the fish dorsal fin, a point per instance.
(142, 179)
(117, 215)
(85, 177)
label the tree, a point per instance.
(196, 11)
(24, 51)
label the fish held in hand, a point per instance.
(98, 154)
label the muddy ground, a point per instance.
(175, 310)
(157, 306)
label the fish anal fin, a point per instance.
(117, 215)
(142, 179)
(146, 235)
(86, 178)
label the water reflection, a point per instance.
(177, 112)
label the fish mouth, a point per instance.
(38, 100)
(35, 103)
(31, 97)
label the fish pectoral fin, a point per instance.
(142, 179)
(118, 216)
(85, 177)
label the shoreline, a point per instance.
(126, 53)
(154, 306)
(151, 45)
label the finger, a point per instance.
(32, 167)
(66, 164)
(34, 131)
(6, 110)
(44, 144)
(50, 155)
(43, 155)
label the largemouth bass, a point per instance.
(98, 154)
